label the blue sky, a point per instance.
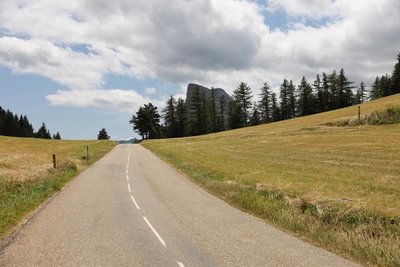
(81, 66)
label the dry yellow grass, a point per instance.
(357, 165)
(28, 158)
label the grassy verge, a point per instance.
(337, 187)
(389, 115)
(21, 193)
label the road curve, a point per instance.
(132, 209)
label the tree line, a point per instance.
(203, 114)
(19, 126)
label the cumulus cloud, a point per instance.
(127, 101)
(150, 90)
(212, 42)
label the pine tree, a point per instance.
(265, 104)
(103, 135)
(306, 101)
(375, 92)
(345, 90)
(170, 117)
(292, 100)
(43, 132)
(326, 96)
(360, 95)
(333, 102)
(276, 113)
(181, 118)
(242, 96)
(395, 81)
(221, 117)
(235, 118)
(57, 136)
(213, 111)
(319, 99)
(195, 104)
(284, 97)
(255, 118)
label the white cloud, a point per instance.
(150, 90)
(127, 101)
(212, 42)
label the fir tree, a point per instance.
(242, 96)
(284, 97)
(103, 135)
(265, 103)
(291, 100)
(57, 136)
(345, 90)
(43, 132)
(395, 81)
(255, 118)
(170, 118)
(306, 101)
(181, 118)
(276, 114)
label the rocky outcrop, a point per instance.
(219, 96)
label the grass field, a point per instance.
(27, 178)
(338, 187)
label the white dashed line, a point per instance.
(129, 187)
(155, 232)
(180, 264)
(134, 202)
(127, 178)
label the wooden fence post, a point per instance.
(87, 154)
(54, 161)
(359, 114)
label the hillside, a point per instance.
(327, 184)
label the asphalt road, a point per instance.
(132, 209)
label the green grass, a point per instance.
(338, 187)
(26, 175)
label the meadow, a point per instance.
(337, 187)
(27, 176)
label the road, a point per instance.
(132, 209)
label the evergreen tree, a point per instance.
(195, 113)
(345, 90)
(146, 122)
(242, 96)
(181, 118)
(326, 96)
(375, 90)
(284, 104)
(213, 111)
(103, 135)
(43, 132)
(306, 101)
(361, 94)
(395, 81)
(276, 113)
(255, 118)
(265, 104)
(221, 117)
(57, 136)
(292, 100)
(170, 118)
(235, 118)
(333, 101)
(319, 95)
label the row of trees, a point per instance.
(19, 126)
(203, 114)
(387, 85)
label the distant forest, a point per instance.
(19, 126)
(202, 114)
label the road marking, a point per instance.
(134, 202)
(180, 264)
(155, 232)
(127, 178)
(129, 187)
(126, 170)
